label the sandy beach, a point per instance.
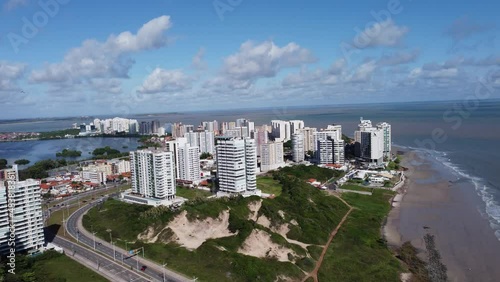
(450, 210)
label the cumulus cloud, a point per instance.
(398, 58)
(10, 73)
(104, 60)
(198, 61)
(385, 33)
(302, 78)
(364, 72)
(261, 60)
(161, 80)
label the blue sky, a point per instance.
(75, 57)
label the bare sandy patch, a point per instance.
(259, 244)
(254, 208)
(191, 234)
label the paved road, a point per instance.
(105, 266)
(154, 271)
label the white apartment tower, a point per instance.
(324, 154)
(272, 156)
(236, 164)
(280, 130)
(372, 143)
(153, 174)
(20, 213)
(309, 142)
(386, 129)
(188, 162)
(298, 147)
(295, 126)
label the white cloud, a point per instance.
(302, 78)
(10, 73)
(385, 33)
(262, 60)
(198, 61)
(104, 60)
(364, 72)
(398, 58)
(161, 80)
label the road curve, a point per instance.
(154, 271)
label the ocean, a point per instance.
(464, 137)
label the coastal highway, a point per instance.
(154, 271)
(104, 266)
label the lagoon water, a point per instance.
(464, 139)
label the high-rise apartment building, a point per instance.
(188, 161)
(272, 156)
(21, 218)
(295, 125)
(309, 142)
(236, 165)
(298, 152)
(386, 129)
(153, 174)
(372, 143)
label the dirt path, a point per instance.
(314, 274)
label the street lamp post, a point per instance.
(114, 251)
(93, 236)
(163, 269)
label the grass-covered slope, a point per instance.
(358, 252)
(308, 214)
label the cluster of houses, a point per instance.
(89, 175)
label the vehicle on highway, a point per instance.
(143, 268)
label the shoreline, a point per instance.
(435, 201)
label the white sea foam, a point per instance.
(492, 206)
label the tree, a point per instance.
(205, 155)
(287, 144)
(22, 162)
(3, 163)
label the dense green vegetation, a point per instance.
(3, 163)
(205, 155)
(58, 134)
(66, 153)
(218, 259)
(306, 172)
(39, 169)
(191, 194)
(358, 252)
(269, 185)
(394, 165)
(355, 187)
(346, 139)
(22, 162)
(49, 266)
(108, 153)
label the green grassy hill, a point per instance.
(308, 213)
